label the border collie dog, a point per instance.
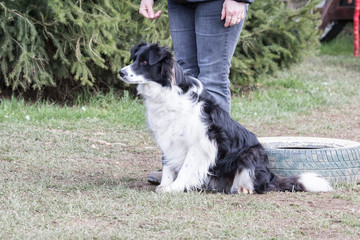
(203, 147)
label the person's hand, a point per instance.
(146, 9)
(233, 12)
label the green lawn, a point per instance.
(79, 172)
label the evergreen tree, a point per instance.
(275, 36)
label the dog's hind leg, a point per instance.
(243, 182)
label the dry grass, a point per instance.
(80, 173)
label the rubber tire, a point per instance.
(336, 160)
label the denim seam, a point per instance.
(226, 54)
(225, 78)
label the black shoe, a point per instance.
(155, 177)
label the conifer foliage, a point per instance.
(275, 36)
(65, 44)
(74, 44)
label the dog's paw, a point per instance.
(163, 189)
(167, 189)
(245, 190)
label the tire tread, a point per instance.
(335, 164)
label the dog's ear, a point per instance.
(157, 54)
(136, 48)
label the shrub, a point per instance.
(65, 44)
(275, 36)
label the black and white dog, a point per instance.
(203, 147)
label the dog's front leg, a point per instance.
(192, 173)
(168, 176)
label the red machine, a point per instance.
(335, 14)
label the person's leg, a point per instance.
(206, 53)
(182, 29)
(215, 48)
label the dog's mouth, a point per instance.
(130, 82)
(127, 75)
(127, 79)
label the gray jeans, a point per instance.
(204, 45)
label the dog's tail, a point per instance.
(306, 182)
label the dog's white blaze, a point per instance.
(176, 124)
(313, 183)
(131, 77)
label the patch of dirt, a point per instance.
(330, 211)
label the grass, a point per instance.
(342, 45)
(79, 172)
(110, 108)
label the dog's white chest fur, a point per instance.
(175, 121)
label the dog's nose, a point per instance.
(122, 73)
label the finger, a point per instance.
(157, 14)
(144, 12)
(241, 15)
(238, 20)
(231, 21)
(227, 21)
(234, 21)
(151, 12)
(223, 13)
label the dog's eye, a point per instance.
(144, 63)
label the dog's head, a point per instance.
(151, 63)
